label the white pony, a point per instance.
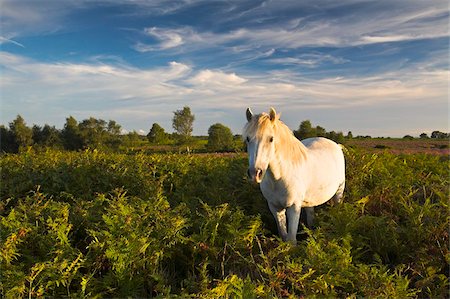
(292, 174)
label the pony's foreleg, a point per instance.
(293, 215)
(280, 219)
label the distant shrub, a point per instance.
(220, 138)
(382, 146)
(442, 146)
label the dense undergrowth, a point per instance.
(91, 224)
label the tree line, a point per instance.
(220, 137)
(306, 130)
(108, 135)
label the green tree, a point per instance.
(439, 135)
(7, 144)
(320, 131)
(132, 139)
(37, 135)
(305, 130)
(220, 138)
(157, 135)
(408, 137)
(114, 128)
(71, 135)
(93, 131)
(337, 137)
(349, 135)
(47, 136)
(183, 123)
(424, 136)
(114, 139)
(22, 135)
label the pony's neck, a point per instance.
(289, 153)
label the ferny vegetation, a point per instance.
(92, 224)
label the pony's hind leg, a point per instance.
(337, 198)
(309, 217)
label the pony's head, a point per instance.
(258, 134)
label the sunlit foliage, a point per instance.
(93, 224)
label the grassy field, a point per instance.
(99, 225)
(405, 146)
(372, 145)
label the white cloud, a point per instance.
(24, 18)
(5, 40)
(216, 78)
(98, 87)
(135, 97)
(168, 38)
(309, 60)
(373, 22)
(370, 26)
(385, 39)
(49, 92)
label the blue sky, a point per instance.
(377, 68)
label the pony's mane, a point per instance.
(287, 145)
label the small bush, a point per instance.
(381, 146)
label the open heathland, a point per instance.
(404, 146)
(93, 224)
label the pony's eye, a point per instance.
(248, 139)
(271, 139)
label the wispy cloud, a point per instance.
(351, 58)
(405, 19)
(132, 95)
(4, 40)
(216, 79)
(22, 18)
(309, 60)
(316, 33)
(168, 38)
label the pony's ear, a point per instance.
(272, 114)
(249, 114)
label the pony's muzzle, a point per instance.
(255, 174)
